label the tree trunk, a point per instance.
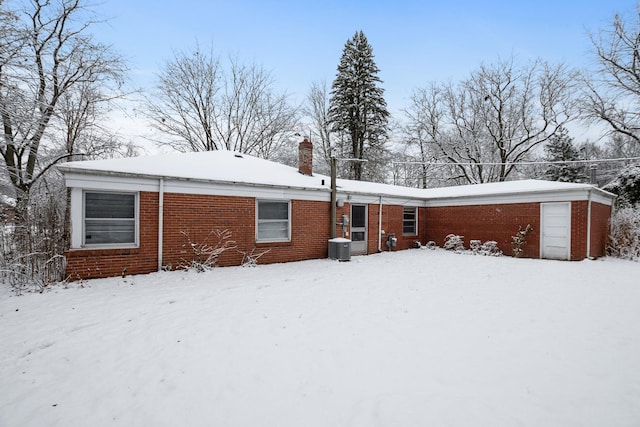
(22, 237)
(66, 232)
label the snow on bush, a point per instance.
(519, 241)
(627, 186)
(624, 241)
(453, 242)
(431, 245)
(250, 259)
(489, 248)
(204, 255)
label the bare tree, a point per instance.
(50, 69)
(490, 122)
(12, 38)
(78, 123)
(612, 96)
(621, 146)
(316, 110)
(200, 105)
(424, 126)
(184, 108)
(53, 54)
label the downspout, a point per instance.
(160, 221)
(589, 224)
(332, 219)
(380, 225)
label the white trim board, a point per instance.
(534, 197)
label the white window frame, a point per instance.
(136, 222)
(268, 240)
(415, 221)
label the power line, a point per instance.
(562, 162)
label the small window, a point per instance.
(409, 221)
(109, 218)
(273, 221)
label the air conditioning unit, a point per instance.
(340, 249)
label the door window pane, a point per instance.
(358, 216)
(357, 236)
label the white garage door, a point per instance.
(556, 230)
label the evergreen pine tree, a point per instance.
(560, 148)
(357, 109)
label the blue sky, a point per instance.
(414, 42)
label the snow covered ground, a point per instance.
(413, 338)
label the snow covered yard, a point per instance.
(410, 338)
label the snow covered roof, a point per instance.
(234, 168)
(507, 187)
(228, 167)
(219, 166)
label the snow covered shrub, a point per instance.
(474, 245)
(31, 250)
(627, 186)
(251, 259)
(204, 255)
(488, 248)
(624, 241)
(431, 245)
(519, 240)
(453, 242)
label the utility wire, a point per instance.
(516, 163)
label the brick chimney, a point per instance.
(305, 157)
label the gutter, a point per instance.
(481, 198)
(92, 172)
(339, 189)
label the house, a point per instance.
(138, 215)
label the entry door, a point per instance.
(358, 229)
(555, 238)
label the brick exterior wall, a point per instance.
(485, 222)
(309, 234)
(578, 230)
(600, 215)
(194, 217)
(392, 216)
(391, 223)
(499, 222)
(188, 217)
(96, 263)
